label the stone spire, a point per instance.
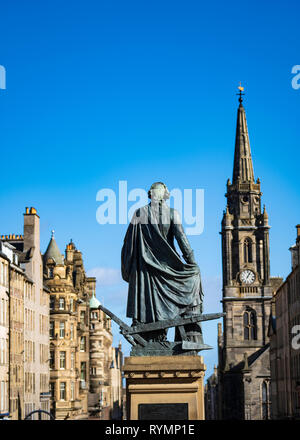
(243, 167)
(53, 251)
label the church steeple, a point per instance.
(243, 167)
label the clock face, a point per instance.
(247, 276)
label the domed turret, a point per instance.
(94, 302)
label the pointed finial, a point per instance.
(52, 233)
(246, 365)
(240, 94)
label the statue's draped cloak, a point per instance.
(161, 286)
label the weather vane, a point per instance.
(241, 89)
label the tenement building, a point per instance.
(4, 330)
(244, 349)
(28, 321)
(284, 331)
(80, 338)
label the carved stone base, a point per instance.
(164, 387)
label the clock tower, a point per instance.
(244, 371)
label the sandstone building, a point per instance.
(244, 365)
(285, 344)
(28, 321)
(4, 329)
(81, 350)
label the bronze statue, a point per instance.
(163, 290)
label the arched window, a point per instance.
(250, 327)
(248, 250)
(265, 400)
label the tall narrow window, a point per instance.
(83, 371)
(72, 332)
(248, 250)
(51, 329)
(50, 272)
(71, 304)
(51, 361)
(61, 303)
(61, 329)
(62, 360)
(52, 389)
(52, 302)
(82, 317)
(62, 389)
(250, 326)
(72, 391)
(265, 401)
(72, 360)
(82, 343)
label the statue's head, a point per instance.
(158, 191)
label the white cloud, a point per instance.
(106, 276)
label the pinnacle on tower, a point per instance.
(243, 167)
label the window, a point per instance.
(83, 371)
(265, 401)
(50, 273)
(82, 317)
(62, 360)
(51, 329)
(52, 390)
(250, 327)
(94, 315)
(72, 360)
(82, 343)
(61, 329)
(51, 360)
(248, 250)
(62, 391)
(52, 302)
(72, 391)
(72, 332)
(71, 305)
(61, 303)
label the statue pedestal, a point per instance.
(164, 387)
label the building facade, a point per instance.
(81, 351)
(29, 322)
(284, 332)
(4, 332)
(244, 366)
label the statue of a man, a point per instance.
(161, 285)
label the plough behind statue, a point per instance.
(137, 335)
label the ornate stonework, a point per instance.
(244, 370)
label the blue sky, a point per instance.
(99, 92)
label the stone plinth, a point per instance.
(164, 387)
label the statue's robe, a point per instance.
(161, 285)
